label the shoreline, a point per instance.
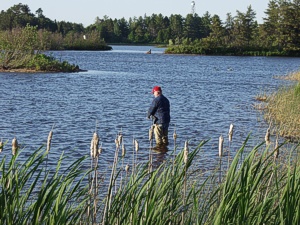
(36, 71)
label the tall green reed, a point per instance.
(260, 188)
(30, 196)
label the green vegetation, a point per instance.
(257, 188)
(21, 50)
(55, 35)
(239, 34)
(32, 194)
(242, 35)
(283, 109)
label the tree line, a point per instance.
(53, 35)
(240, 34)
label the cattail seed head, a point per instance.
(136, 145)
(94, 145)
(92, 148)
(174, 135)
(1, 146)
(49, 140)
(127, 168)
(221, 141)
(123, 150)
(117, 143)
(14, 144)
(267, 137)
(276, 153)
(186, 152)
(120, 139)
(230, 133)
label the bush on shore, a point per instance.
(21, 48)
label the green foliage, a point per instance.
(20, 49)
(42, 62)
(31, 194)
(297, 90)
(238, 35)
(284, 111)
(255, 189)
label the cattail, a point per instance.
(230, 133)
(123, 150)
(117, 143)
(49, 140)
(150, 133)
(186, 152)
(136, 145)
(1, 146)
(120, 138)
(267, 137)
(127, 168)
(94, 145)
(276, 153)
(174, 135)
(92, 148)
(14, 144)
(221, 141)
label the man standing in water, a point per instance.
(160, 111)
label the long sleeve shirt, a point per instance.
(160, 108)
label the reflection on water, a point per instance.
(159, 155)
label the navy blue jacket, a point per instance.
(160, 108)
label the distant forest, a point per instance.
(239, 34)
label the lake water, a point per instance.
(207, 94)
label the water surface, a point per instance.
(207, 94)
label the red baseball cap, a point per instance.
(156, 88)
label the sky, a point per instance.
(86, 11)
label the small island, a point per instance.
(22, 51)
(26, 41)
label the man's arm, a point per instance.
(152, 110)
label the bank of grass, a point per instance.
(42, 62)
(283, 109)
(256, 189)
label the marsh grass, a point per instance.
(256, 188)
(30, 196)
(262, 96)
(291, 76)
(283, 111)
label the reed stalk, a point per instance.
(123, 158)
(110, 186)
(276, 149)
(185, 160)
(230, 134)
(1, 146)
(95, 151)
(151, 131)
(221, 142)
(174, 151)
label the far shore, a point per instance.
(35, 71)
